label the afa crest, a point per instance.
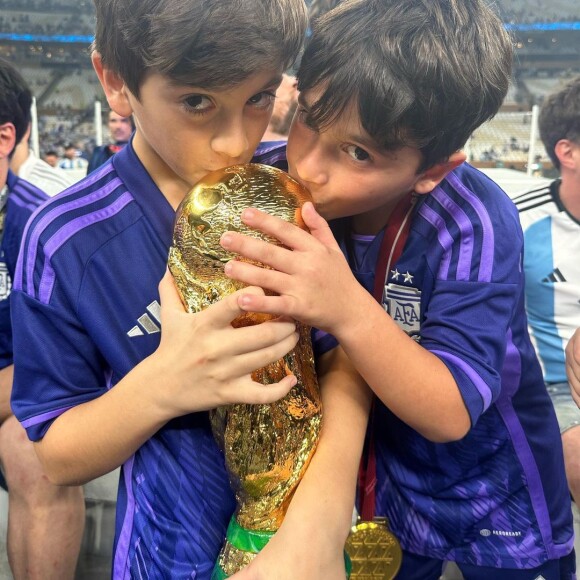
(5, 282)
(403, 303)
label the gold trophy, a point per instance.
(267, 447)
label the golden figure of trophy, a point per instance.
(267, 447)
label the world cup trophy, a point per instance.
(267, 448)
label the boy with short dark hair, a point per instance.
(45, 523)
(97, 383)
(468, 454)
(550, 218)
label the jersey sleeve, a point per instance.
(322, 342)
(56, 365)
(471, 341)
(477, 302)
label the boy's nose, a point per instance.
(231, 140)
(310, 169)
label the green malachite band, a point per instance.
(253, 541)
(347, 564)
(218, 573)
(247, 540)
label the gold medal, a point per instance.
(374, 551)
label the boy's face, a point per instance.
(51, 159)
(70, 153)
(120, 128)
(345, 172)
(185, 132)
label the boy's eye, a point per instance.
(198, 103)
(262, 100)
(357, 153)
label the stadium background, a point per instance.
(49, 40)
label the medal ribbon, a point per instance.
(396, 234)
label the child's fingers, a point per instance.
(257, 394)
(276, 305)
(256, 276)
(224, 311)
(251, 360)
(254, 338)
(573, 366)
(289, 234)
(318, 226)
(258, 250)
(168, 293)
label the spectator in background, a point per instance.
(27, 165)
(45, 521)
(120, 129)
(283, 111)
(72, 159)
(550, 217)
(52, 158)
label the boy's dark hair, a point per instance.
(319, 7)
(423, 73)
(15, 100)
(208, 43)
(560, 118)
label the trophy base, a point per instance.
(239, 549)
(242, 546)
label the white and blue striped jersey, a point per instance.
(498, 497)
(552, 268)
(86, 311)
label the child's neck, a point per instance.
(173, 188)
(372, 222)
(174, 194)
(570, 197)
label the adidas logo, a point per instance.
(148, 322)
(555, 276)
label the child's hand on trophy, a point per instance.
(309, 274)
(208, 363)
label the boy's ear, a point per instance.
(113, 85)
(430, 178)
(7, 140)
(568, 153)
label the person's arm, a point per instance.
(573, 365)
(6, 376)
(93, 438)
(310, 542)
(315, 285)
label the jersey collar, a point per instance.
(145, 192)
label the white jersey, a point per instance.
(51, 180)
(552, 269)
